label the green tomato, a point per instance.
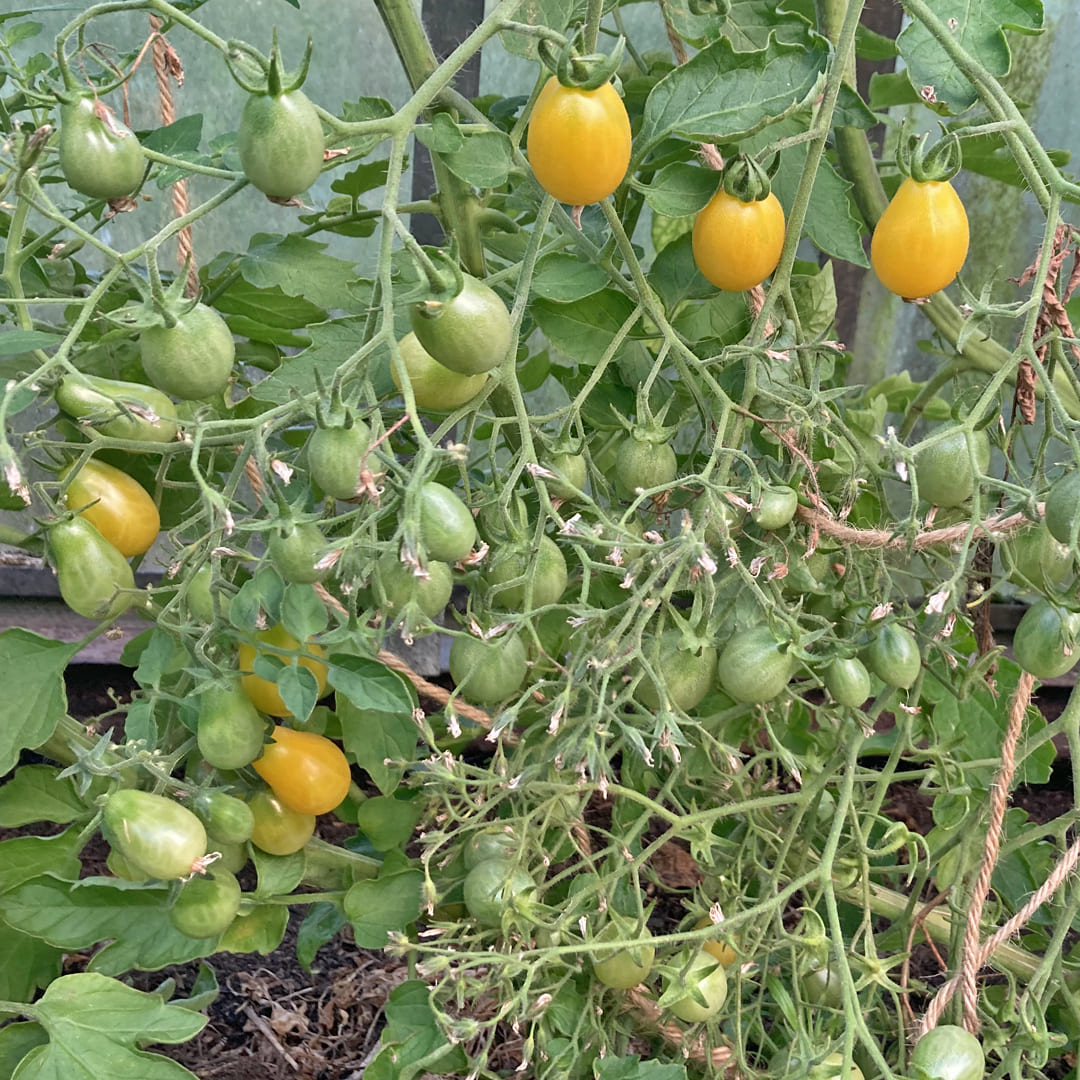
(199, 598)
(206, 906)
(194, 358)
(848, 681)
(625, 968)
(123, 868)
(231, 732)
(544, 568)
(469, 333)
(99, 154)
(571, 475)
(488, 671)
(447, 528)
(94, 579)
(687, 675)
(335, 455)
(1046, 640)
(435, 388)
(944, 471)
(278, 830)
(234, 857)
(776, 507)
(643, 463)
(281, 143)
(401, 586)
(754, 667)
(495, 885)
(120, 410)
(705, 986)
(155, 834)
(1037, 560)
(294, 548)
(893, 656)
(948, 1052)
(822, 986)
(490, 844)
(227, 818)
(1061, 505)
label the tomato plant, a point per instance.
(193, 357)
(119, 507)
(488, 671)
(701, 986)
(567, 119)
(307, 772)
(99, 154)
(155, 834)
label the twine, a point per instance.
(167, 68)
(974, 955)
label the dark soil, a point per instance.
(274, 1018)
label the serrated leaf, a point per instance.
(94, 1026)
(675, 276)
(977, 28)
(555, 14)
(35, 794)
(182, 136)
(680, 189)
(300, 267)
(815, 300)
(633, 1068)
(441, 136)
(722, 95)
(584, 329)
(25, 857)
(79, 914)
(32, 674)
(748, 25)
(361, 179)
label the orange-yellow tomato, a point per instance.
(278, 830)
(263, 693)
(307, 772)
(578, 142)
(921, 240)
(122, 509)
(737, 244)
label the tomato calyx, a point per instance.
(937, 165)
(746, 180)
(278, 81)
(577, 71)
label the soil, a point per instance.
(272, 1017)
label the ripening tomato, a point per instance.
(435, 388)
(579, 142)
(948, 1052)
(307, 772)
(263, 693)
(191, 359)
(278, 830)
(94, 579)
(470, 333)
(737, 244)
(153, 833)
(921, 240)
(117, 505)
(121, 410)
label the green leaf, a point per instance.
(333, 343)
(563, 278)
(298, 266)
(988, 155)
(32, 674)
(25, 857)
(79, 914)
(852, 111)
(977, 28)
(374, 705)
(35, 794)
(675, 276)
(412, 1036)
(261, 930)
(277, 874)
(16, 1041)
(723, 319)
(387, 822)
(390, 902)
(27, 965)
(362, 179)
(95, 1025)
(268, 306)
(889, 88)
(633, 1068)
(302, 612)
(366, 108)
(584, 329)
(680, 189)
(870, 45)
(815, 300)
(748, 26)
(484, 161)
(721, 95)
(16, 342)
(321, 924)
(441, 136)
